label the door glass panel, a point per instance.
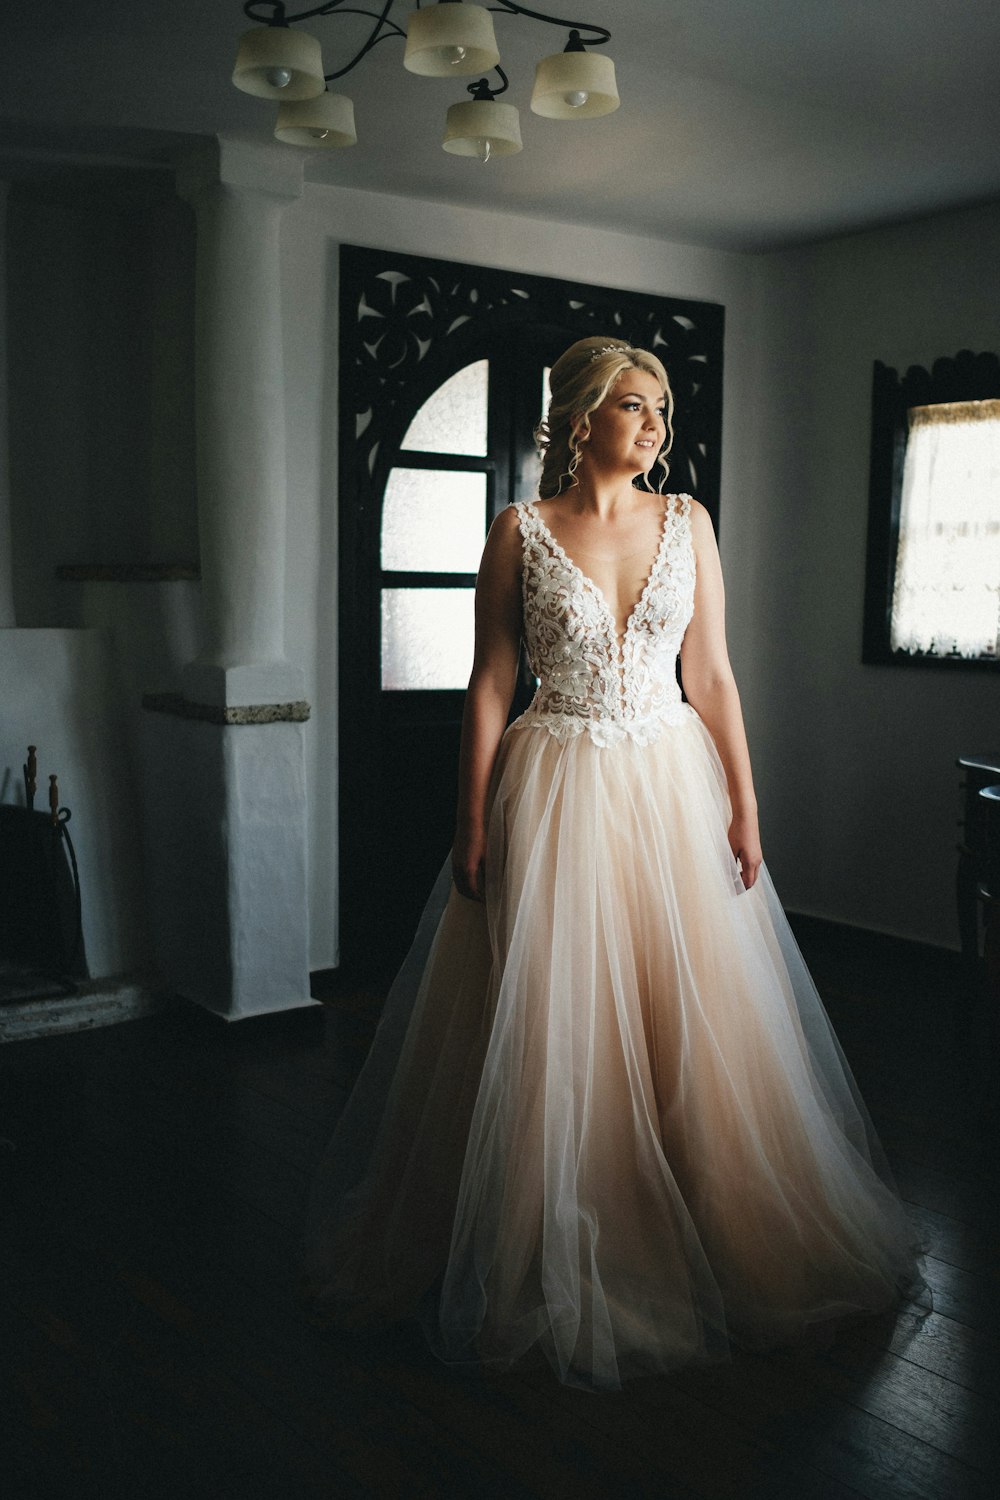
(433, 521)
(427, 638)
(453, 419)
(529, 468)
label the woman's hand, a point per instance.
(468, 862)
(744, 840)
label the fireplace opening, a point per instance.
(41, 929)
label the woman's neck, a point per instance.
(603, 494)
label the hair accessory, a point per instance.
(612, 349)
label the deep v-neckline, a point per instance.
(618, 636)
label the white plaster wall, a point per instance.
(226, 870)
(312, 231)
(58, 692)
(101, 376)
(857, 763)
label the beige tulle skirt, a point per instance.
(605, 1114)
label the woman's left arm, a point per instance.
(710, 688)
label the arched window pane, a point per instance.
(427, 638)
(433, 521)
(453, 419)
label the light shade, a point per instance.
(274, 62)
(325, 122)
(450, 40)
(575, 85)
(482, 128)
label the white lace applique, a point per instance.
(590, 680)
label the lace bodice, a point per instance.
(590, 679)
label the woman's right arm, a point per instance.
(488, 700)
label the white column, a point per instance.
(6, 538)
(224, 767)
(239, 197)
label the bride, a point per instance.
(604, 1114)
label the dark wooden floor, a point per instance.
(153, 1185)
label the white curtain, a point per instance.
(946, 598)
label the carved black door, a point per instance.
(442, 371)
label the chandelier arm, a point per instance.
(597, 39)
(596, 35)
(382, 29)
(377, 35)
(481, 90)
(279, 15)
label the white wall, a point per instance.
(857, 763)
(101, 336)
(312, 231)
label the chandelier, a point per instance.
(444, 40)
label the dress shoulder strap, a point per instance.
(677, 519)
(532, 529)
(677, 545)
(527, 518)
(528, 525)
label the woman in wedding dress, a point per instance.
(604, 1114)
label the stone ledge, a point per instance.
(128, 573)
(210, 713)
(96, 1003)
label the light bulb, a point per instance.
(484, 149)
(453, 55)
(278, 78)
(319, 135)
(577, 98)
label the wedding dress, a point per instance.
(604, 1113)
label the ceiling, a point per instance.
(745, 124)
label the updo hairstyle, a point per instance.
(580, 381)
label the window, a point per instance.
(933, 572)
(434, 522)
(946, 594)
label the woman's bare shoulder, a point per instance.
(502, 553)
(506, 523)
(702, 526)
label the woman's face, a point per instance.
(628, 429)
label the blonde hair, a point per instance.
(580, 381)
